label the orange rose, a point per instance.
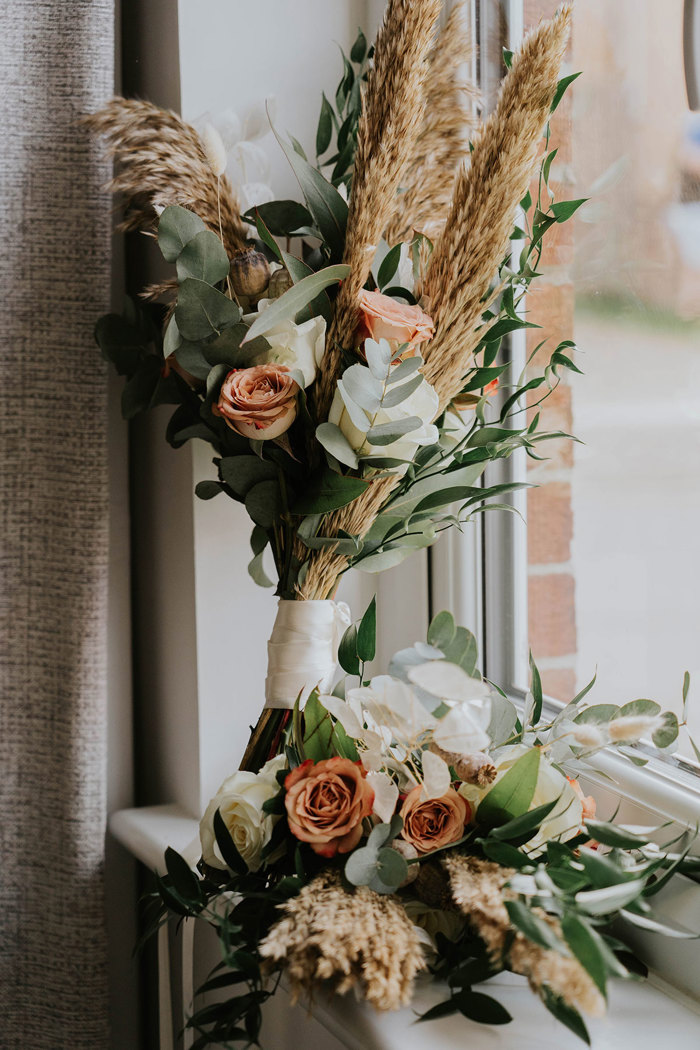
(431, 823)
(260, 402)
(382, 317)
(326, 802)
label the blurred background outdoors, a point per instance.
(614, 533)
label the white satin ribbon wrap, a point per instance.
(302, 653)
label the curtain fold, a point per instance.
(56, 63)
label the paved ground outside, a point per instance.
(636, 507)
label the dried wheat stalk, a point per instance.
(485, 199)
(349, 938)
(391, 119)
(466, 256)
(161, 161)
(450, 118)
(478, 888)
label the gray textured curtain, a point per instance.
(56, 63)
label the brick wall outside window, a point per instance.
(551, 583)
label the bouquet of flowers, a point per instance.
(354, 391)
(347, 388)
(418, 822)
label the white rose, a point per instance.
(240, 800)
(566, 818)
(298, 346)
(423, 402)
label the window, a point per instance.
(606, 574)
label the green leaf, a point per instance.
(382, 560)
(318, 730)
(598, 714)
(443, 1009)
(563, 210)
(328, 491)
(481, 1008)
(564, 1013)
(534, 928)
(512, 794)
(561, 89)
(334, 441)
(328, 208)
(463, 650)
(665, 735)
(256, 571)
(176, 228)
(387, 433)
(281, 218)
(120, 342)
(610, 898)
(523, 827)
(442, 630)
(367, 633)
(207, 489)
(263, 503)
(203, 311)
(359, 48)
(347, 652)
(536, 687)
(295, 299)
(507, 58)
(227, 847)
(203, 257)
(324, 131)
(503, 853)
(591, 951)
(184, 880)
(612, 835)
(389, 266)
(139, 390)
(240, 473)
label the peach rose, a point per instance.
(382, 317)
(431, 823)
(259, 402)
(326, 802)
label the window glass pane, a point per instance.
(614, 537)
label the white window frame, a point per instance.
(481, 576)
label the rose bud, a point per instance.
(326, 803)
(382, 317)
(259, 403)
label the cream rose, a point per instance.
(382, 317)
(240, 800)
(260, 402)
(565, 819)
(423, 402)
(299, 347)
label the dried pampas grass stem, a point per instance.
(450, 116)
(479, 890)
(348, 938)
(162, 160)
(391, 118)
(486, 195)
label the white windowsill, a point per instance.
(641, 1014)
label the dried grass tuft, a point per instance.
(391, 118)
(350, 939)
(451, 103)
(486, 195)
(161, 160)
(478, 888)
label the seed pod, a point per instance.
(250, 273)
(408, 852)
(475, 769)
(280, 282)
